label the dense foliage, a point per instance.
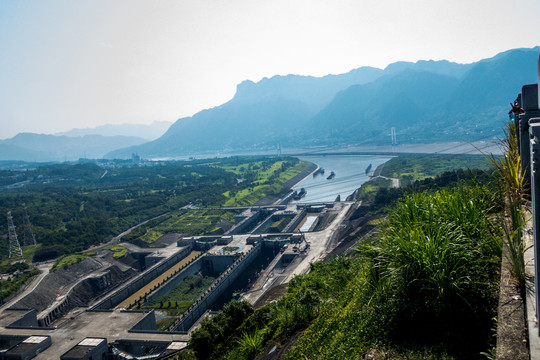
(410, 168)
(20, 273)
(384, 195)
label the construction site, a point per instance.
(104, 307)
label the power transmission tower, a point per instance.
(28, 235)
(15, 250)
(394, 139)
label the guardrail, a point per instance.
(526, 114)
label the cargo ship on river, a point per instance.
(318, 171)
(368, 169)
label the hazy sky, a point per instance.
(68, 64)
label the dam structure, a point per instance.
(105, 307)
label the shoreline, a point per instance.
(305, 177)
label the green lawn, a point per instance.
(69, 260)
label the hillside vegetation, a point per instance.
(426, 102)
(425, 288)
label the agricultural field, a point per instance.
(263, 179)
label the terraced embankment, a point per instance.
(159, 280)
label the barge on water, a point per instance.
(318, 171)
(368, 169)
(300, 195)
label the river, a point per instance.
(350, 174)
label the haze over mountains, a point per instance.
(91, 143)
(426, 102)
(143, 131)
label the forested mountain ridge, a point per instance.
(427, 101)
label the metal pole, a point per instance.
(529, 102)
(534, 131)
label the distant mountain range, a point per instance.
(40, 147)
(426, 102)
(145, 131)
(91, 143)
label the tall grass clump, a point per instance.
(425, 286)
(440, 251)
(512, 183)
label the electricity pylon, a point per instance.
(15, 250)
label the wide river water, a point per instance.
(350, 173)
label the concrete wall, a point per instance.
(86, 352)
(27, 350)
(119, 295)
(216, 264)
(275, 243)
(287, 198)
(146, 323)
(152, 259)
(246, 223)
(48, 316)
(28, 320)
(125, 349)
(206, 300)
(267, 220)
(295, 221)
(192, 269)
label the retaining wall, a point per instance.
(206, 300)
(192, 269)
(246, 223)
(69, 300)
(117, 296)
(295, 221)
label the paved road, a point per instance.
(44, 270)
(319, 241)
